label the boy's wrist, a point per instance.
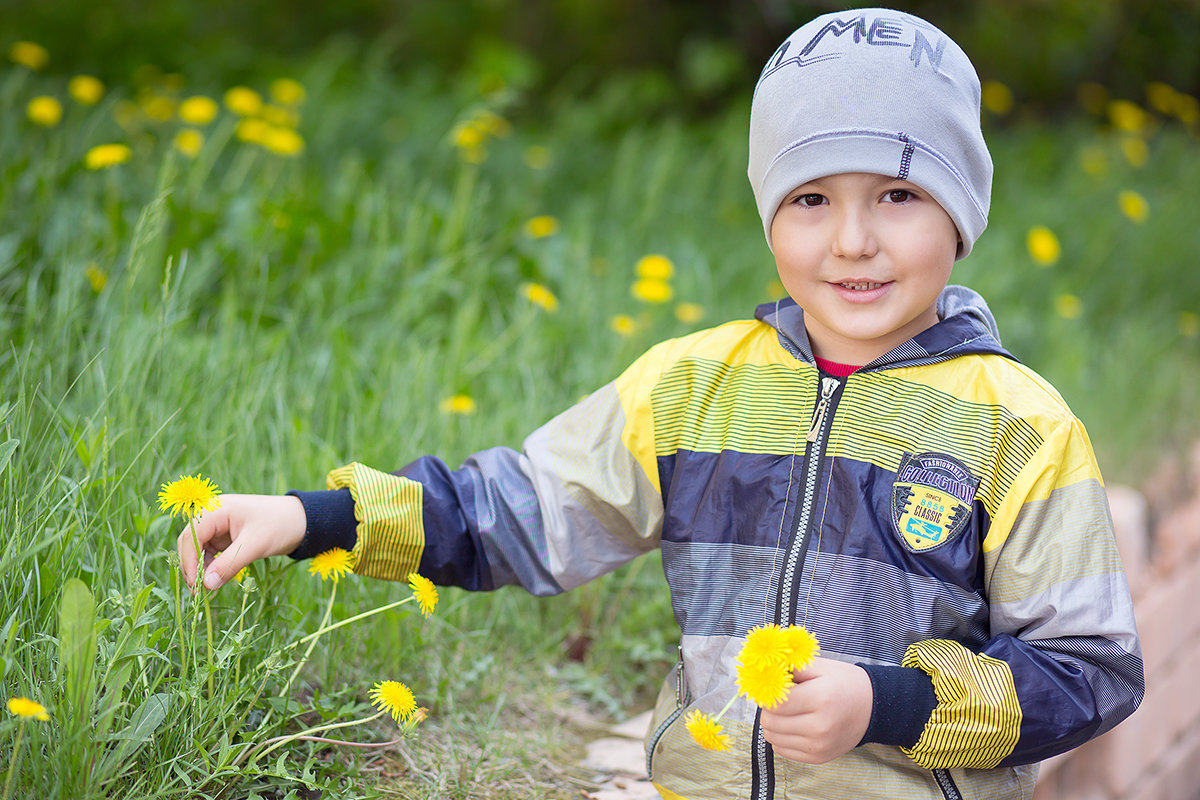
(903, 702)
(330, 522)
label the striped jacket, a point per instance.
(937, 517)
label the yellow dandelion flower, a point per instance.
(1093, 97)
(1043, 245)
(252, 130)
(539, 295)
(707, 732)
(158, 107)
(45, 111)
(97, 277)
(541, 227)
(189, 141)
(1133, 205)
(29, 54)
(86, 89)
(1126, 116)
(623, 325)
(458, 404)
(395, 698)
(1187, 109)
(425, 592)
(280, 116)
(536, 157)
(332, 564)
(800, 646)
(1189, 324)
(24, 707)
(767, 685)
(468, 135)
(655, 267)
(1161, 97)
(1093, 161)
(188, 496)
(243, 101)
(282, 141)
(996, 97)
(651, 290)
(492, 124)
(1068, 306)
(103, 156)
(198, 110)
(1135, 150)
(766, 645)
(288, 91)
(689, 313)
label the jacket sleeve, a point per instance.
(575, 502)
(1063, 664)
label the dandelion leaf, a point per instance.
(77, 647)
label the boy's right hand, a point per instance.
(243, 529)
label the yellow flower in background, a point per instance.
(332, 563)
(45, 111)
(541, 227)
(458, 404)
(198, 110)
(85, 89)
(1093, 160)
(1187, 109)
(288, 91)
(651, 290)
(1043, 245)
(424, 591)
(282, 141)
(158, 107)
(188, 496)
(623, 325)
(1127, 116)
(1068, 306)
(689, 313)
(24, 707)
(97, 277)
(1136, 151)
(395, 698)
(243, 101)
(536, 157)
(467, 135)
(251, 130)
(189, 141)
(1093, 97)
(280, 116)
(103, 156)
(1189, 324)
(997, 98)
(707, 732)
(1161, 97)
(29, 54)
(492, 124)
(655, 267)
(1133, 205)
(539, 295)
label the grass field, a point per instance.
(371, 267)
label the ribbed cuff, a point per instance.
(331, 522)
(904, 701)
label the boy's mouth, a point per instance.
(859, 286)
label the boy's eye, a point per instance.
(809, 199)
(899, 195)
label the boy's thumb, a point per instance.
(220, 570)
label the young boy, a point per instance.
(862, 458)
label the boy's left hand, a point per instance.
(824, 715)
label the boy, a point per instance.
(862, 458)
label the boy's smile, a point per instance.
(866, 257)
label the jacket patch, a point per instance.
(931, 500)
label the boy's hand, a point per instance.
(824, 715)
(245, 527)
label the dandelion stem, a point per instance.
(304, 659)
(278, 741)
(728, 705)
(16, 755)
(207, 599)
(183, 659)
(355, 618)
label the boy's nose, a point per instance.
(853, 237)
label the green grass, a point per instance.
(266, 318)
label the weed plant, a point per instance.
(261, 316)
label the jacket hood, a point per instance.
(966, 327)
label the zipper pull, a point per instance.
(679, 690)
(827, 387)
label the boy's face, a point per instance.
(866, 257)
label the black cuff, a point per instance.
(331, 522)
(904, 701)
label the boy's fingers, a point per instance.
(219, 570)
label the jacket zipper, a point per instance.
(946, 784)
(680, 698)
(762, 759)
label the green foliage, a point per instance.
(261, 318)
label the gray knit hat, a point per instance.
(871, 90)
